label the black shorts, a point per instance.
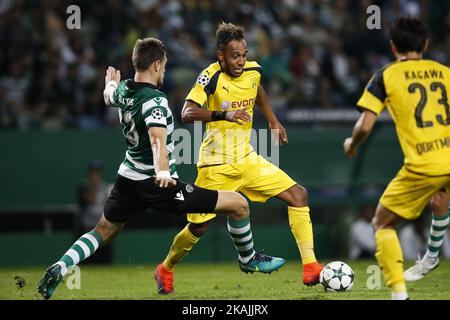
(129, 197)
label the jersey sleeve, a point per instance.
(203, 87)
(253, 65)
(114, 96)
(155, 112)
(374, 94)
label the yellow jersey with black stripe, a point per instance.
(224, 141)
(415, 92)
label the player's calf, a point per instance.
(198, 229)
(82, 249)
(238, 222)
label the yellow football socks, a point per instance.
(390, 258)
(182, 244)
(301, 227)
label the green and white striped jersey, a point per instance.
(141, 106)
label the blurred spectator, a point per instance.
(92, 196)
(315, 54)
(362, 235)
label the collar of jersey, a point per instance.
(134, 85)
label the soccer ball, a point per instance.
(337, 276)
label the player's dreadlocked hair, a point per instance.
(146, 51)
(227, 32)
(409, 34)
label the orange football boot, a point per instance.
(311, 273)
(164, 280)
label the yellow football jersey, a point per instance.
(224, 141)
(415, 93)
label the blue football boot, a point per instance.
(49, 281)
(262, 263)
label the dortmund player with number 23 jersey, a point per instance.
(415, 92)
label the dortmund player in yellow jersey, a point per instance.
(415, 92)
(228, 90)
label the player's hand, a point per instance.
(238, 116)
(164, 180)
(279, 135)
(112, 75)
(349, 149)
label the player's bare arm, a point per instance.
(361, 131)
(193, 112)
(158, 137)
(262, 100)
(112, 80)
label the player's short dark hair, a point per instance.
(409, 34)
(146, 51)
(227, 32)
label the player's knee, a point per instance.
(374, 223)
(241, 209)
(299, 197)
(439, 204)
(198, 229)
(379, 224)
(238, 206)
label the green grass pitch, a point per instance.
(221, 281)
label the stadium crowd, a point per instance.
(314, 54)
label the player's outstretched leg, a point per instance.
(301, 227)
(250, 260)
(439, 225)
(240, 232)
(236, 208)
(83, 248)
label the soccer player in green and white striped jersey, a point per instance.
(147, 177)
(146, 106)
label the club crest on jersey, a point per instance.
(189, 188)
(157, 114)
(203, 80)
(225, 105)
(157, 100)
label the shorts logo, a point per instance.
(189, 188)
(179, 196)
(225, 105)
(156, 114)
(203, 80)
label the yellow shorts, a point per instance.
(254, 176)
(408, 193)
